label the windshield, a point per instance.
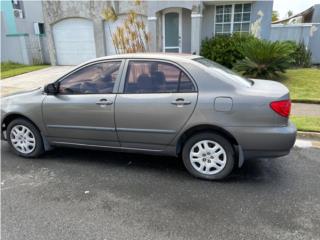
(225, 72)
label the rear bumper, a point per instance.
(265, 141)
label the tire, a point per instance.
(212, 156)
(24, 138)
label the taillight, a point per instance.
(283, 107)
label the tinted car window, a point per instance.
(186, 84)
(98, 78)
(156, 77)
(228, 74)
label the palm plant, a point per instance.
(264, 59)
(131, 36)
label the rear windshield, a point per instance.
(227, 73)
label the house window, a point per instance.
(38, 28)
(232, 18)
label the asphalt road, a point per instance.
(81, 194)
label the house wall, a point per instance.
(262, 10)
(7, 12)
(13, 48)
(156, 6)
(186, 31)
(55, 11)
(316, 14)
(308, 33)
(19, 43)
(208, 20)
(37, 45)
(32, 13)
(189, 41)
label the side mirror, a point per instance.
(51, 89)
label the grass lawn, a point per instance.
(309, 124)
(304, 84)
(10, 69)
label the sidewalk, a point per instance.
(305, 109)
(32, 80)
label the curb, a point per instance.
(305, 101)
(309, 135)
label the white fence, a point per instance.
(308, 33)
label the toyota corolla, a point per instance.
(179, 105)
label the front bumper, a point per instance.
(265, 141)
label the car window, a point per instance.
(156, 77)
(98, 78)
(186, 84)
(227, 73)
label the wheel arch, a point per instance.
(12, 116)
(205, 128)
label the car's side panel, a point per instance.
(69, 118)
(27, 104)
(150, 120)
(82, 118)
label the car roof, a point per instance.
(157, 55)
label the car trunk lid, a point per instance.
(270, 89)
(270, 103)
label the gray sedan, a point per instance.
(179, 105)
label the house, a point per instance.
(75, 31)
(180, 26)
(23, 37)
(302, 27)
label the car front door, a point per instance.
(82, 113)
(156, 99)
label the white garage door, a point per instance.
(74, 41)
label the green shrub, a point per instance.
(301, 57)
(224, 49)
(264, 59)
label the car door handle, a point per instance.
(104, 101)
(180, 102)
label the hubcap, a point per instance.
(22, 139)
(208, 157)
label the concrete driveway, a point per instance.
(32, 80)
(79, 194)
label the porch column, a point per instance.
(152, 29)
(99, 38)
(196, 27)
(196, 24)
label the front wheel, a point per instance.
(208, 156)
(24, 138)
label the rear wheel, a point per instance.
(24, 138)
(208, 156)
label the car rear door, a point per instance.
(83, 110)
(156, 99)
